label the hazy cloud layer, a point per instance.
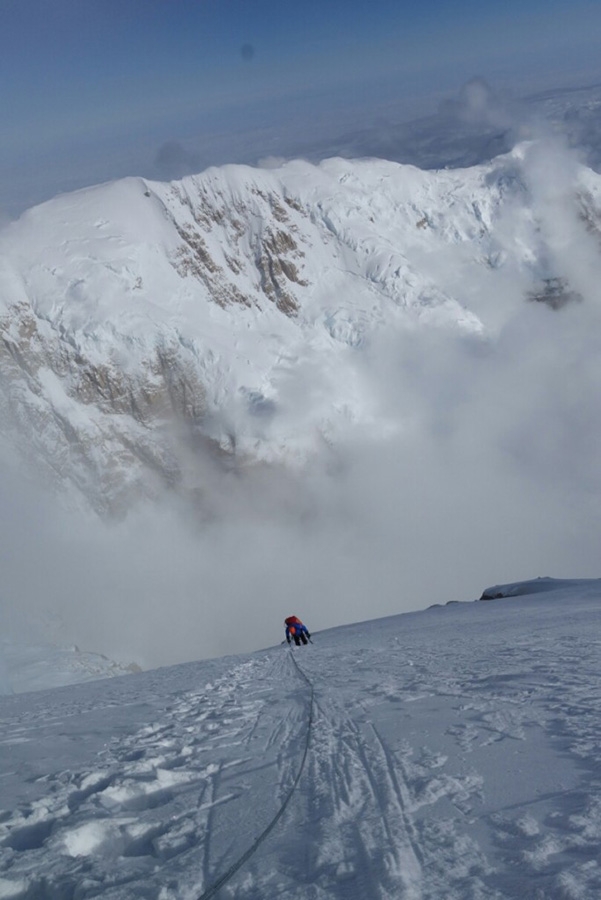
(465, 127)
(472, 126)
(173, 161)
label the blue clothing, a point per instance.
(298, 629)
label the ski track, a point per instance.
(408, 811)
(463, 771)
(153, 817)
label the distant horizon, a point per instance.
(175, 159)
(98, 92)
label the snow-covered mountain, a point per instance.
(143, 323)
(446, 754)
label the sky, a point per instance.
(100, 89)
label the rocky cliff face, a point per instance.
(110, 432)
(142, 324)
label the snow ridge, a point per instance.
(144, 323)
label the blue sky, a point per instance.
(95, 89)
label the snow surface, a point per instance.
(446, 754)
(32, 666)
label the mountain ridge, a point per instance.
(142, 321)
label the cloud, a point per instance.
(4, 219)
(478, 104)
(173, 161)
(473, 126)
(271, 162)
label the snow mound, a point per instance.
(34, 667)
(543, 585)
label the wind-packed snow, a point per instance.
(447, 754)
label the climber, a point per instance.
(296, 631)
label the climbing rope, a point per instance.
(217, 885)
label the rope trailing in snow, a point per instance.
(214, 888)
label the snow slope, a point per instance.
(141, 322)
(31, 667)
(446, 754)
